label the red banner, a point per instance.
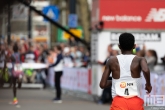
(133, 14)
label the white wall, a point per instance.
(104, 39)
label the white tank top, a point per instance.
(126, 86)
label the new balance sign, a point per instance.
(156, 15)
(134, 14)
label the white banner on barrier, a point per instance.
(33, 65)
(30, 65)
(76, 79)
(161, 84)
(97, 71)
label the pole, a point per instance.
(72, 9)
(29, 24)
(9, 25)
(72, 6)
(3, 22)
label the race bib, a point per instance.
(18, 67)
(126, 88)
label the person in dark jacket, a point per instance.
(58, 68)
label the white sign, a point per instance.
(19, 12)
(139, 37)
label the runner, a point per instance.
(126, 76)
(16, 73)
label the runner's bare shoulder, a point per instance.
(112, 59)
(139, 58)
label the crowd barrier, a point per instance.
(77, 79)
(84, 80)
(87, 80)
(157, 82)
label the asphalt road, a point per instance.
(41, 100)
(36, 99)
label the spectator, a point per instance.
(107, 92)
(30, 55)
(51, 60)
(22, 53)
(45, 47)
(52, 55)
(72, 41)
(163, 59)
(45, 55)
(115, 52)
(30, 74)
(36, 52)
(41, 76)
(140, 53)
(109, 50)
(77, 55)
(58, 68)
(86, 59)
(68, 59)
(151, 57)
(62, 45)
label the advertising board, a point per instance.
(132, 14)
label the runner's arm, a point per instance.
(145, 70)
(104, 83)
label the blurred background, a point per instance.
(88, 33)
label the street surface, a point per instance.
(37, 99)
(41, 100)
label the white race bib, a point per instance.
(18, 67)
(126, 88)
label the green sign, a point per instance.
(63, 36)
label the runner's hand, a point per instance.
(148, 88)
